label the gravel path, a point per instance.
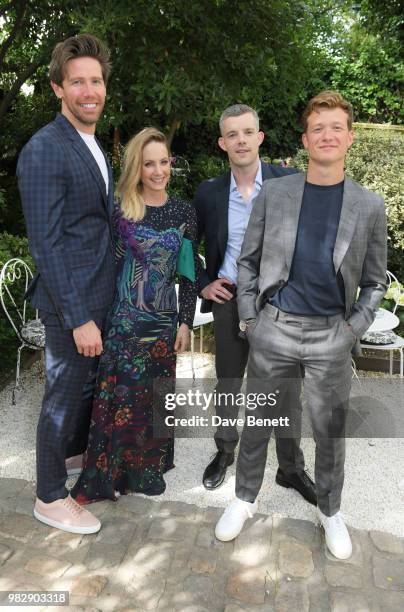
(373, 496)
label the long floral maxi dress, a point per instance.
(122, 454)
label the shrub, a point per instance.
(204, 167)
(14, 246)
(201, 167)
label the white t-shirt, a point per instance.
(98, 155)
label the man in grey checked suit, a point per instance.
(311, 242)
(66, 188)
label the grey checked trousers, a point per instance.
(321, 347)
(231, 361)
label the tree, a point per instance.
(368, 67)
(179, 63)
(385, 18)
(29, 30)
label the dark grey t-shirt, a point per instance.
(313, 288)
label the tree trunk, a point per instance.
(175, 124)
(116, 148)
(13, 92)
(21, 6)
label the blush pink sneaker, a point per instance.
(66, 514)
(74, 465)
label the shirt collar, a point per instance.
(257, 180)
(258, 177)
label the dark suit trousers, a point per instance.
(66, 407)
(231, 361)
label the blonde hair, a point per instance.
(130, 186)
(327, 99)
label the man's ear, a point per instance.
(304, 140)
(222, 143)
(261, 137)
(58, 90)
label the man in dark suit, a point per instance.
(312, 241)
(223, 207)
(66, 188)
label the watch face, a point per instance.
(243, 326)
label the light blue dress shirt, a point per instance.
(238, 217)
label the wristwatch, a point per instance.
(243, 325)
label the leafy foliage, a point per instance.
(367, 59)
(29, 31)
(180, 63)
(374, 92)
(14, 246)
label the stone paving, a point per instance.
(163, 556)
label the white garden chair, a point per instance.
(200, 319)
(15, 277)
(394, 292)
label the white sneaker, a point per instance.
(337, 537)
(233, 518)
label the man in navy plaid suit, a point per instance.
(66, 188)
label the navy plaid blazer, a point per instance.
(68, 216)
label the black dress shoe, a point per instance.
(301, 482)
(215, 472)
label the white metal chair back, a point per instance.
(15, 277)
(179, 166)
(200, 319)
(395, 291)
(14, 270)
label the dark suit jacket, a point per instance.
(212, 207)
(68, 216)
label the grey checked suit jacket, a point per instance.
(68, 216)
(360, 251)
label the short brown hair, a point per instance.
(235, 111)
(82, 45)
(327, 99)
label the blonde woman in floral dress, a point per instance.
(145, 329)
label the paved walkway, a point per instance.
(373, 495)
(163, 556)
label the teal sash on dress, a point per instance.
(185, 260)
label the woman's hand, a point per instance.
(182, 339)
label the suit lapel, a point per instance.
(110, 188)
(222, 208)
(110, 196)
(291, 212)
(267, 172)
(347, 223)
(82, 149)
